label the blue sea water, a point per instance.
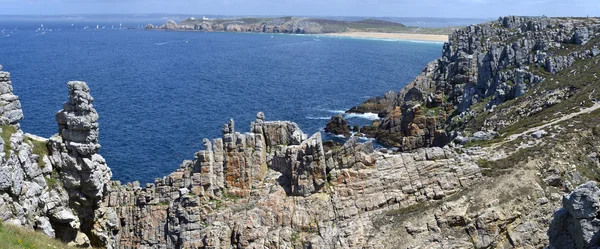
(160, 93)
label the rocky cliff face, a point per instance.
(482, 66)
(287, 192)
(275, 25)
(54, 185)
(482, 162)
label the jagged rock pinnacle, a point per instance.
(78, 121)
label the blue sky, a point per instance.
(395, 8)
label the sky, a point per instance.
(382, 8)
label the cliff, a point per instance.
(484, 67)
(288, 25)
(53, 185)
(491, 140)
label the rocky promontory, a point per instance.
(482, 67)
(486, 148)
(286, 25)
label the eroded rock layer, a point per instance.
(294, 195)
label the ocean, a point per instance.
(160, 93)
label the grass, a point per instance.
(580, 82)
(7, 132)
(409, 209)
(52, 180)
(13, 237)
(39, 148)
(234, 198)
(294, 237)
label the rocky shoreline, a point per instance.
(284, 25)
(492, 139)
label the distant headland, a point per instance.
(367, 28)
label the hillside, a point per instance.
(14, 237)
(295, 25)
(486, 148)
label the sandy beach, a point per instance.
(399, 36)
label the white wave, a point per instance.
(364, 139)
(367, 115)
(319, 118)
(336, 111)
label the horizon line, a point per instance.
(231, 15)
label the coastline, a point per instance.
(395, 36)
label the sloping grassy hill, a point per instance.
(12, 237)
(330, 26)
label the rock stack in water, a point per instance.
(337, 125)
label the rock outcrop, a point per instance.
(577, 224)
(482, 66)
(10, 106)
(299, 196)
(338, 125)
(82, 172)
(53, 185)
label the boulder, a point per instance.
(577, 223)
(484, 135)
(539, 134)
(581, 36)
(338, 125)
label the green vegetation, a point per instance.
(234, 198)
(12, 237)
(505, 165)
(294, 237)
(52, 180)
(579, 84)
(567, 48)
(7, 132)
(432, 112)
(409, 209)
(39, 148)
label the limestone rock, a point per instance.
(484, 135)
(78, 121)
(10, 106)
(576, 225)
(539, 134)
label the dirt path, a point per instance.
(596, 106)
(499, 154)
